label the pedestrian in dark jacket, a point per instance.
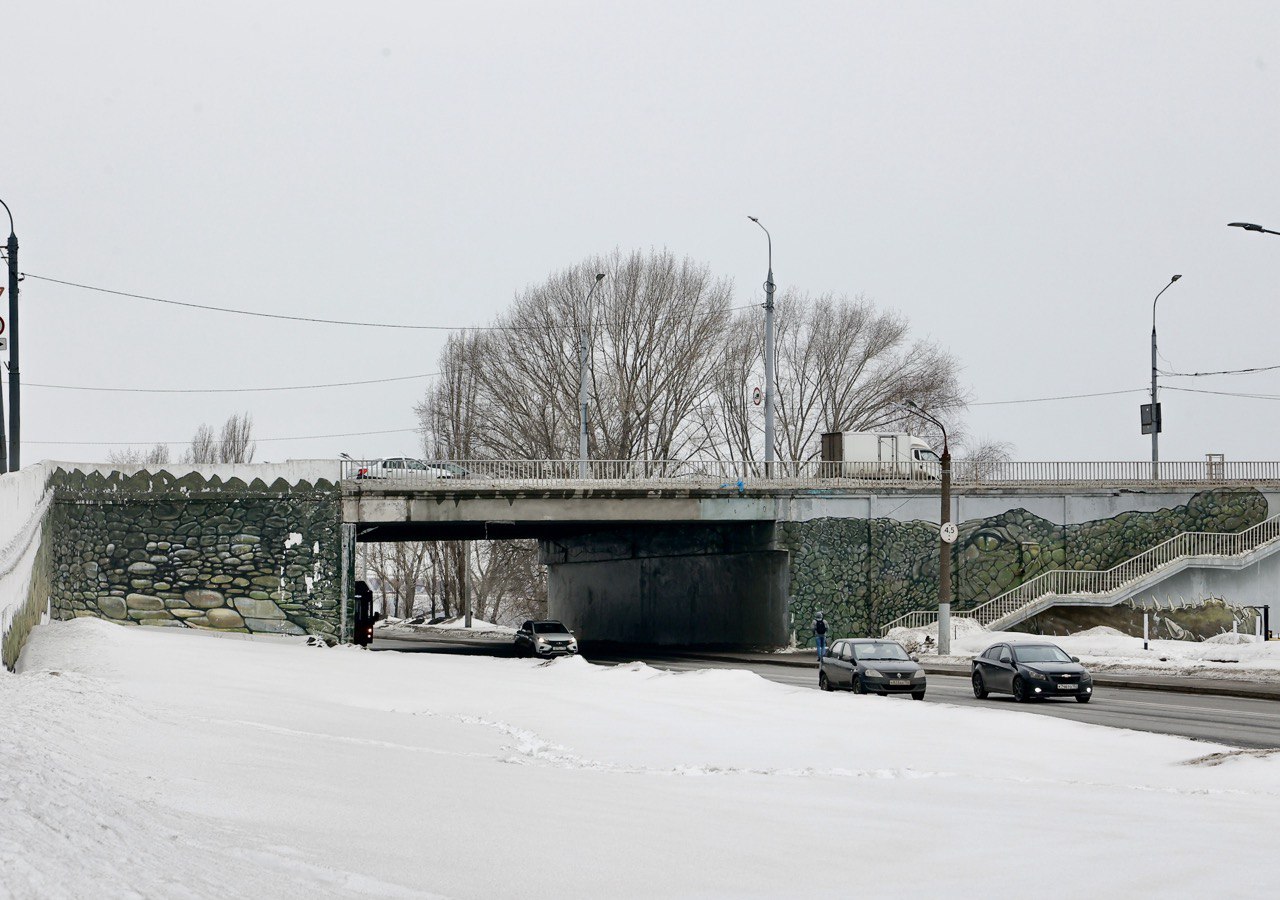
(820, 635)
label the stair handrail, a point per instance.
(1102, 581)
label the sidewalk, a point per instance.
(959, 666)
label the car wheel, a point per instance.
(823, 684)
(858, 686)
(1019, 689)
(979, 686)
(917, 695)
(1083, 698)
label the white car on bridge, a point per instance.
(408, 468)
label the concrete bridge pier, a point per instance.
(689, 584)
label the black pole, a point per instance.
(15, 380)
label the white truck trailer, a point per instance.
(877, 454)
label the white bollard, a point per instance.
(1145, 628)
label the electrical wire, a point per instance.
(248, 390)
(1240, 394)
(320, 321)
(256, 440)
(1222, 372)
(1051, 399)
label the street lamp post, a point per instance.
(1249, 226)
(1156, 419)
(768, 357)
(582, 382)
(9, 461)
(945, 537)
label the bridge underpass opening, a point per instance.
(673, 584)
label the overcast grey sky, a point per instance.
(1018, 179)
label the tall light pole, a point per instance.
(1155, 418)
(945, 537)
(10, 461)
(582, 382)
(768, 357)
(1249, 226)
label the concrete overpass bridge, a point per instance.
(705, 553)
(653, 552)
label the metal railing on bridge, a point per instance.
(802, 473)
(1096, 584)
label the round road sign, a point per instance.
(949, 532)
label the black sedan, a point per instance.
(870, 666)
(1030, 671)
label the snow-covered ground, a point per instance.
(164, 763)
(1103, 649)
(449, 628)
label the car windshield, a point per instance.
(549, 628)
(882, 650)
(1040, 653)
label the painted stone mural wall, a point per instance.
(862, 573)
(189, 553)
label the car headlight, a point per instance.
(918, 675)
(872, 673)
(1039, 676)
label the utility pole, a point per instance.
(947, 534)
(583, 357)
(466, 582)
(9, 461)
(1155, 418)
(768, 357)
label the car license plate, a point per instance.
(1068, 687)
(900, 682)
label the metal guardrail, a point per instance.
(1078, 582)
(804, 473)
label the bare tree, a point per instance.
(397, 568)
(237, 444)
(983, 457)
(234, 445)
(842, 365)
(654, 326)
(158, 455)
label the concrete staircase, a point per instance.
(1074, 587)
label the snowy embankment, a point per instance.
(1103, 649)
(178, 763)
(24, 500)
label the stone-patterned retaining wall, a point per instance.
(190, 552)
(862, 573)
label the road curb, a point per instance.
(1179, 684)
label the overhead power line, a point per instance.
(1241, 394)
(245, 390)
(1052, 399)
(1222, 372)
(257, 440)
(320, 321)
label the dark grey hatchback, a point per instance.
(870, 666)
(1030, 671)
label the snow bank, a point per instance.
(24, 500)
(1105, 649)
(163, 763)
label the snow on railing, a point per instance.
(1076, 582)
(964, 473)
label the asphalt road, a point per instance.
(1236, 721)
(1239, 722)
